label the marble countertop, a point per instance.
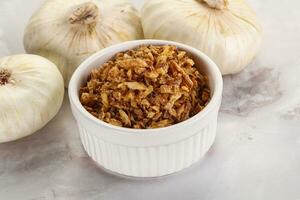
(257, 151)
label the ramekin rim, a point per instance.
(213, 70)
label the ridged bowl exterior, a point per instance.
(152, 152)
(149, 161)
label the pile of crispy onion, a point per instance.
(148, 87)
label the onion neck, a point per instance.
(216, 4)
(86, 14)
(5, 76)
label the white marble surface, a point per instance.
(256, 155)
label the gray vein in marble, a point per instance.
(250, 90)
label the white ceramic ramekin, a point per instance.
(151, 152)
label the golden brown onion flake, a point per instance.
(148, 87)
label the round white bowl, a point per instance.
(150, 152)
